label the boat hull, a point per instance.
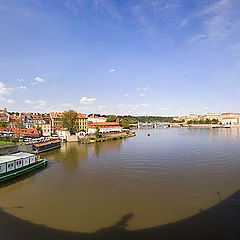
(19, 172)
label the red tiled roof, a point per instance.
(80, 115)
(230, 113)
(56, 115)
(59, 115)
(33, 132)
(14, 118)
(229, 118)
(104, 125)
(46, 143)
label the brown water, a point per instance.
(168, 176)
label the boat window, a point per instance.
(2, 168)
(10, 166)
(18, 163)
(25, 161)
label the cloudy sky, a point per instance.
(158, 57)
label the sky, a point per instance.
(137, 57)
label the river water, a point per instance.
(170, 175)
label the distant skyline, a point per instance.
(137, 57)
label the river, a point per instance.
(168, 176)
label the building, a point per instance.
(46, 129)
(62, 133)
(230, 121)
(95, 119)
(4, 116)
(18, 132)
(14, 121)
(105, 127)
(81, 121)
(56, 120)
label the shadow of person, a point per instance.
(220, 222)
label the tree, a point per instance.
(111, 118)
(69, 122)
(3, 123)
(215, 121)
(124, 123)
(97, 132)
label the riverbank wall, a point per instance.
(8, 149)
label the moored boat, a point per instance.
(17, 164)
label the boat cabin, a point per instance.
(16, 161)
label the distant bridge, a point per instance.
(150, 125)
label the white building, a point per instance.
(105, 127)
(97, 119)
(62, 133)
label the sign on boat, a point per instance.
(17, 164)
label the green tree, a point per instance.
(3, 123)
(69, 121)
(124, 123)
(97, 132)
(207, 121)
(111, 118)
(215, 121)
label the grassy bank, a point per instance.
(4, 143)
(104, 139)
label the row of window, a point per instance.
(10, 166)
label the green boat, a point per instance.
(17, 164)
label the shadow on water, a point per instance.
(218, 222)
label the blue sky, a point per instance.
(154, 57)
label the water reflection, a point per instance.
(169, 176)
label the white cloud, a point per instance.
(197, 38)
(2, 98)
(141, 94)
(42, 102)
(112, 70)
(4, 90)
(85, 100)
(66, 105)
(23, 87)
(218, 20)
(37, 107)
(29, 101)
(120, 105)
(143, 89)
(163, 109)
(20, 80)
(146, 88)
(145, 105)
(102, 107)
(126, 95)
(38, 80)
(11, 101)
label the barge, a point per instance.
(18, 164)
(46, 146)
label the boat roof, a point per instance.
(15, 156)
(22, 154)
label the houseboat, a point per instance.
(17, 164)
(46, 146)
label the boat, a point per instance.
(18, 164)
(46, 146)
